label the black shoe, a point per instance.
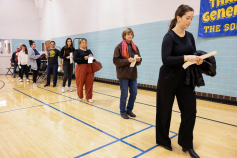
(54, 85)
(125, 116)
(191, 153)
(131, 114)
(46, 85)
(168, 147)
(14, 76)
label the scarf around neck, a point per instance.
(125, 52)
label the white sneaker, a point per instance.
(35, 85)
(21, 80)
(90, 100)
(79, 99)
(27, 80)
(63, 89)
(69, 89)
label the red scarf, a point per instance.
(125, 52)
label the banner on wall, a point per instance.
(218, 18)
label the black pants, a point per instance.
(24, 69)
(171, 84)
(67, 69)
(35, 73)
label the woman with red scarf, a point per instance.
(124, 54)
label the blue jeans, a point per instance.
(50, 69)
(124, 84)
(15, 67)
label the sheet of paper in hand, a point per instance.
(90, 59)
(133, 63)
(187, 64)
(71, 59)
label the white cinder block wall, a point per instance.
(63, 17)
(102, 21)
(19, 19)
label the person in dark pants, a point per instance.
(15, 61)
(83, 71)
(34, 61)
(178, 46)
(52, 56)
(19, 50)
(67, 66)
(22, 62)
(123, 56)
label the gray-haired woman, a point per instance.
(124, 54)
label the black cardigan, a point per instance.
(66, 54)
(79, 56)
(13, 57)
(194, 72)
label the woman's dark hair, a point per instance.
(26, 51)
(31, 42)
(66, 47)
(182, 10)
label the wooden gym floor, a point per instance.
(43, 122)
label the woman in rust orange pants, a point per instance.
(83, 71)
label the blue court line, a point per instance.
(32, 107)
(61, 101)
(95, 106)
(117, 141)
(144, 152)
(96, 149)
(78, 119)
(3, 84)
(132, 146)
(3, 91)
(119, 97)
(172, 110)
(21, 109)
(136, 132)
(114, 113)
(98, 108)
(68, 115)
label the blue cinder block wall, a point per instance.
(148, 38)
(16, 42)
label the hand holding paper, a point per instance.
(187, 64)
(135, 60)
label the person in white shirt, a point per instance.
(22, 62)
